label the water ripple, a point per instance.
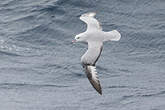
(15, 85)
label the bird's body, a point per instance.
(95, 37)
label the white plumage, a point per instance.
(95, 37)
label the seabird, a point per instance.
(95, 37)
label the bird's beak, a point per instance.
(73, 41)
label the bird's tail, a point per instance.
(112, 36)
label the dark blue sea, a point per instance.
(40, 67)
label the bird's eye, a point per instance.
(78, 37)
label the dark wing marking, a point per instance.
(101, 48)
(93, 78)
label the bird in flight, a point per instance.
(95, 37)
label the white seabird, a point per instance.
(95, 37)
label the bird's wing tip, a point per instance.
(93, 78)
(89, 14)
(100, 92)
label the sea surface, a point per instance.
(40, 67)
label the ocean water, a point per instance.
(40, 67)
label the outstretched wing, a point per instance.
(91, 22)
(93, 77)
(88, 61)
(92, 54)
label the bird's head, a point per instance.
(79, 38)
